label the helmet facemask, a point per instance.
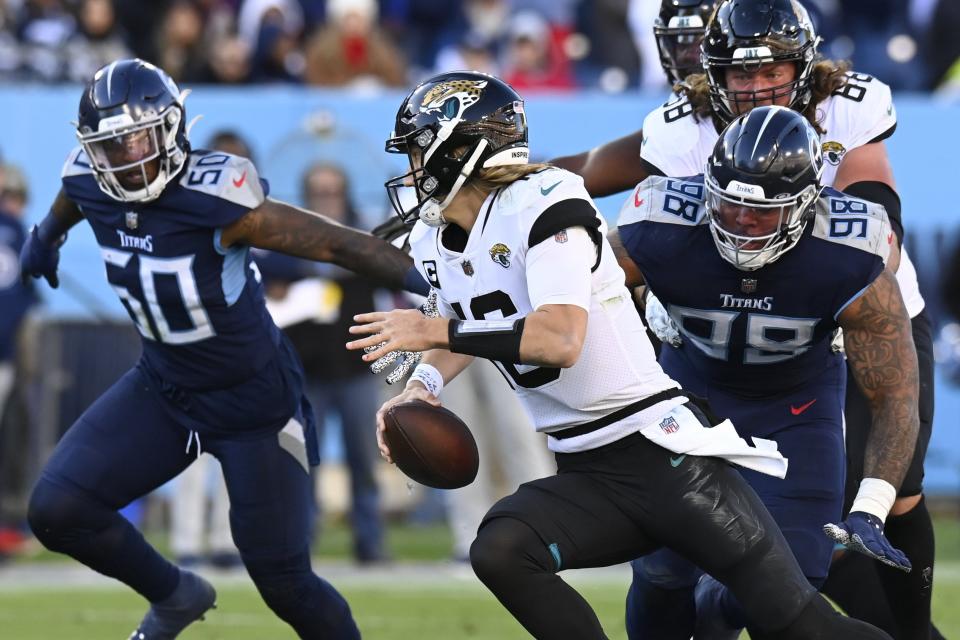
(430, 196)
(122, 145)
(750, 252)
(728, 103)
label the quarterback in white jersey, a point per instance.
(519, 257)
(525, 252)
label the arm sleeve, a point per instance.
(559, 269)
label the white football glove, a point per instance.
(405, 360)
(836, 342)
(660, 321)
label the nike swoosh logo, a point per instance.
(798, 410)
(637, 200)
(239, 183)
(545, 192)
(675, 461)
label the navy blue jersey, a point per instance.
(757, 332)
(198, 306)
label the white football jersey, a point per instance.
(488, 280)
(679, 144)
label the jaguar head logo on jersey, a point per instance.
(501, 254)
(131, 124)
(833, 152)
(451, 127)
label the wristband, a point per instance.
(428, 376)
(875, 497)
(491, 339)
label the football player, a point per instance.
(758, 268)
(175, 226)
(518, 256)
(759, 52)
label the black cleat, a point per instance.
(193, 597)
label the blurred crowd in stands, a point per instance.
(557, 45)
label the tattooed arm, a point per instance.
(284, 228)
(882, 358)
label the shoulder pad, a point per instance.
(860, 224)
(859, 112)
(76, 164)
(547, 202)
(224, 176)
(535, 192)
(667, 200)
(672, 139)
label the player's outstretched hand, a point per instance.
(397, 330)
(863, 532)
(660, 322)
(40, 259)
(406, 360)
(415, 391)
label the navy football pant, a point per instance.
(124, 446)
(806, 425)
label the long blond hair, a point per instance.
(826, 77)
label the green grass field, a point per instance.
(414, 600)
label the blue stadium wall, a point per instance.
(289, 129)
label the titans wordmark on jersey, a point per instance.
(485, 277)
(678, 143)
(753, 332)
(198, 306)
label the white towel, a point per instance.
(681, 431)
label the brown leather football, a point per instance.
(431, 445)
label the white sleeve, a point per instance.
(558, 269)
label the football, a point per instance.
(431, 445)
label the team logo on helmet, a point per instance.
(833, 152)
(501, 254)
(451, 99)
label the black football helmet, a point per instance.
(450, 127)
(751, 33)
(768, 160)
(131, 115)
(679, 29)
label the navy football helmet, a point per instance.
(679, 30)
(762, 179)
(749, 33)
(450, 127)
(131, 125)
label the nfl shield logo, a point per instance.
(669, 425)
(748, 285)
(467, 267)
(560, 236)
(132, 220)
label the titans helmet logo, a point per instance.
(451, 99)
